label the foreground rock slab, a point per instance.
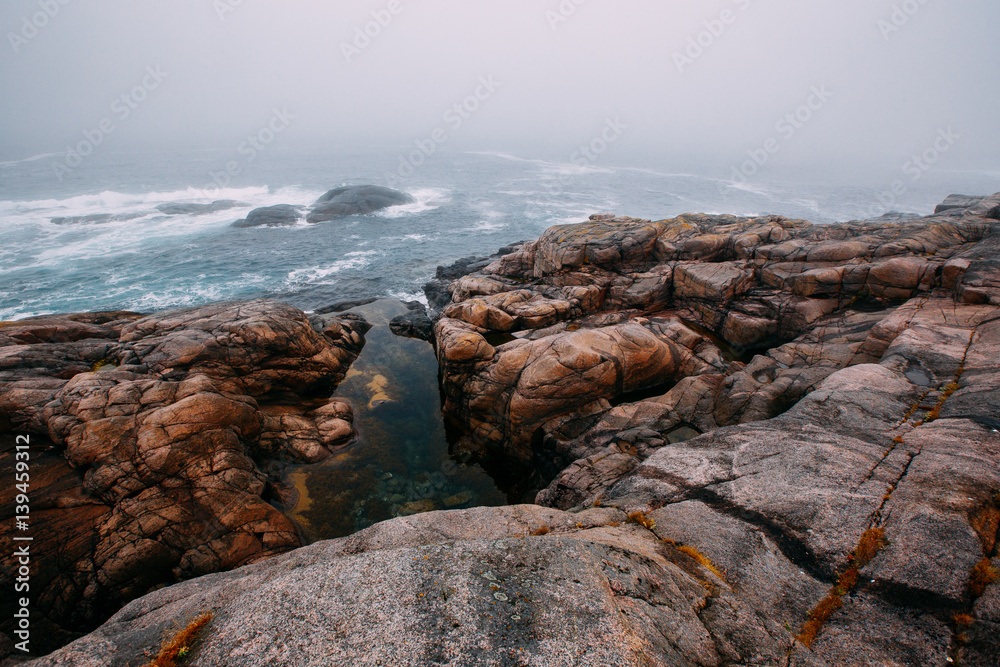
(518, 585)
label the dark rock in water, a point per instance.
(341, 306)
(355, 200)
(357, 322)
(438, 295)
(959, 202)
(98, 218)
(271, 216)
(199, 209)
(414, 324)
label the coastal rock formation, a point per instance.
(356, 200)
(533, 346)
(281, 215)
(762, 442)
(154, 431)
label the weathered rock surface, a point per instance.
(471, 587)
(163, 425)
(817, 298)
(271, 216)
(874, 411)
(356, 200)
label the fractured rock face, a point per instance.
(166, 422)
(521, 345)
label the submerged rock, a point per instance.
(356, 200)
(271, 216)
(198, 209)
(97, 218)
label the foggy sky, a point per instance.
(226, 72)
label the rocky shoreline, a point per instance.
(752, 441)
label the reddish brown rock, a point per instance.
(165, 422)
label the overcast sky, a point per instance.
(882, 82)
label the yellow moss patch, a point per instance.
(176, 649)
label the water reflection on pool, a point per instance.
(401, 463)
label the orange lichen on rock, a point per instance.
(872, 541)
(983, 574)
(639, 518)
(177, 648)
(702, 560)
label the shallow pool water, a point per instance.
(401, 463)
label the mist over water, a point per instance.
(501, 119)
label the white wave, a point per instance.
(111, 201)
(33, 158)
(485, 226)
(747, 186)
(427, 199)
(550, 166)
(313, 274)
(409, 296)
